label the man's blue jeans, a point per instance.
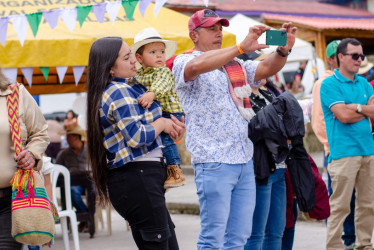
(170, 150)
(269, 219)
(76, 198)
(227, 194)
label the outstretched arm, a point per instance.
(215, 59)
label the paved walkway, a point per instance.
(309, 235)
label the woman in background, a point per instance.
(71, 118)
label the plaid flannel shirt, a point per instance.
(161, 82)
(128, 133)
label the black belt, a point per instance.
(155, 159)
(5, 192)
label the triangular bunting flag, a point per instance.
(82, 13)
(69, 16)
(11, 74)
(3, 29)
(158, 6)
(99, 11)
(45, 71)
(129, 6)
(61, 71)
(143, 5)
(78, 71)
(27, 72)
(112, 9)
(206, 2)
(34, 21)
(51, 17)
(20, 26)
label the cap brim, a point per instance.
(170, 47)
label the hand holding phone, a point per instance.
(276, 37)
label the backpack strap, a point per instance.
(13, 117)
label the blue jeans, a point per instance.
(289, 233)
(227, 194)
(33, 247)
(269, 218)
(170, 150)
(76, 198)
(349, 232)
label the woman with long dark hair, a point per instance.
(124, 144)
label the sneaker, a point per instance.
(350, 247)
(175, 177)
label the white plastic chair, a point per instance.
(68, 212)
(99, 217)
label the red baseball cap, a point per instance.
(205, 18)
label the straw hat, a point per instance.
(150, 35)
(365, 66)
(74, 129)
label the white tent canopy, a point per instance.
(240, 24)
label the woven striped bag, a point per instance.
(33, 215)
(32, 218)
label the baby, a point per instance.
(152, 51)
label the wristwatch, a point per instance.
(359, 108)
(282, 54)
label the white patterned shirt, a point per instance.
(216, 131)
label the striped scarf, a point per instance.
(239, 88)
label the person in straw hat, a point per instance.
(364, 70)
(151, 52)
(75, 159)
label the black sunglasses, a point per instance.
(355, 56)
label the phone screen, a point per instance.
(276, 37)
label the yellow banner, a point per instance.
(60, 47)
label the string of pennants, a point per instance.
(27, 72)
(69, 16)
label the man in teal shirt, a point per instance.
(347, 103)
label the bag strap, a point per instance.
(13, 117)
